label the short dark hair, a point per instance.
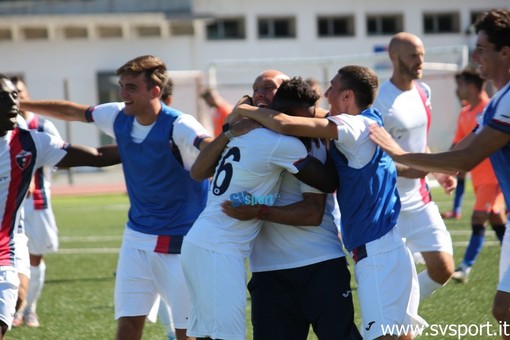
(295, 92)
(496, 24)
(15, 79)
(167, 90)
(472, 76)
(362, 81)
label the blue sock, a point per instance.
(459, 196)
(475, 244)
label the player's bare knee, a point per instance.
(4, 327)
(440, 266)
(501, 311)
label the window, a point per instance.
(384, 24)
(109, 31)
(276, 28)
(71, 32)
(148, 31)
(181, 28)
(226, 29)
(5, 34)
(335, 26)
(474, 16)
(108, 91)
(35, 33)
(436, 23)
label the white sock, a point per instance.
(37, 275)
(427, 285)
(165, 317)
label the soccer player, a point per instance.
(405, 106)
(22, 152)
(298, 264)
(367, 196)
(157, 145)
(217, 245)
(491, 139)
(489, 201)
(221, 109)
(39, 220)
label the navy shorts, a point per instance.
(284, 303)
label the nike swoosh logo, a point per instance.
(346, 294)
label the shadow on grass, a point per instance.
(79, 279)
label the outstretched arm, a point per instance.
(60, 109)
(289, 125)
(464, 156)
(307, 212)
(80, 155)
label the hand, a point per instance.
(449, 183)
(243, 126)
(234, 115)
(382, 138)
(242, 212)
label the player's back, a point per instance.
(248, 173)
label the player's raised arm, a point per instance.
(60, 109)
(289, 125)
(206, 162)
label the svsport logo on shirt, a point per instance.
(23, 159)
(245, 198)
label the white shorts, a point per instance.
(141, 276)
(388, 289)
(217, 285)
(424, 230)
(9, 282)
(21, 252)
(41, 229)
(504, 262)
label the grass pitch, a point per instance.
(77, 301)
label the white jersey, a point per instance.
(252, 163)
(186, 129)
(280, 246)
(15, 158)
(407, 120)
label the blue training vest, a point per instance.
(367, 197)
(164, 199)
(500, 159)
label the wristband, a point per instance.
(263, 212)
(227, 132)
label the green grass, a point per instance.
(77, 301)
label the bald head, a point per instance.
(265, 86)
(407, 54)
(402, 41)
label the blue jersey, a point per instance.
(368, 197)
(500, 159)
(164, 199)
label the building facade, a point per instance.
(71, 48)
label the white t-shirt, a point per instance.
(353, 139)
(250, 163)
(185, 130)
(407, 121)
(279, 246)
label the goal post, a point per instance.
(233, 78)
